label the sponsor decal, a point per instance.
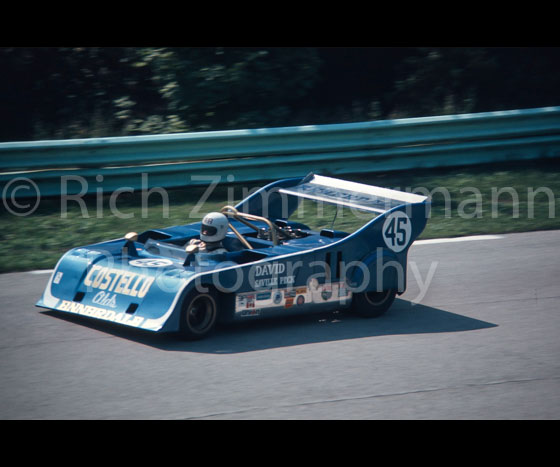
(288, 297)
(329, 292)
(313, 284)
(273, 281)
(255, 312)
(340, 193)
(277, 299)
(118, 281)
(57, 277)
(326, 292)
(343, 291)
(269, 269)
(100, 313)
(151, 262)
(274, 270)
(245, 301)
(263, 296)
(105, 299)
(289, 293)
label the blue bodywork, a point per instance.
(143, 282)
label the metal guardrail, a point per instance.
(175, 160)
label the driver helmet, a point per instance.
(214, 227)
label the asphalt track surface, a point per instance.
(481, 343)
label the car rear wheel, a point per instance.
(198, 315)
(373, 304)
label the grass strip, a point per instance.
(489, 199)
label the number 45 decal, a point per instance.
(397, 230)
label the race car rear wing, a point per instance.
(352, 194)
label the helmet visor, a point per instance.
(208, 230)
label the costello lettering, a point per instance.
(118, 281)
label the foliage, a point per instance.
(78, 92)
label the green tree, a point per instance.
(61, 92)
(220, 88)
(72, 92)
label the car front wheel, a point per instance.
(198, 315)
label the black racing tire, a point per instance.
(373, 304)
(199, 312)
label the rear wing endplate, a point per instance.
(357, 195)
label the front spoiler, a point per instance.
(71, 290)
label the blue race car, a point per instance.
(247, 261)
